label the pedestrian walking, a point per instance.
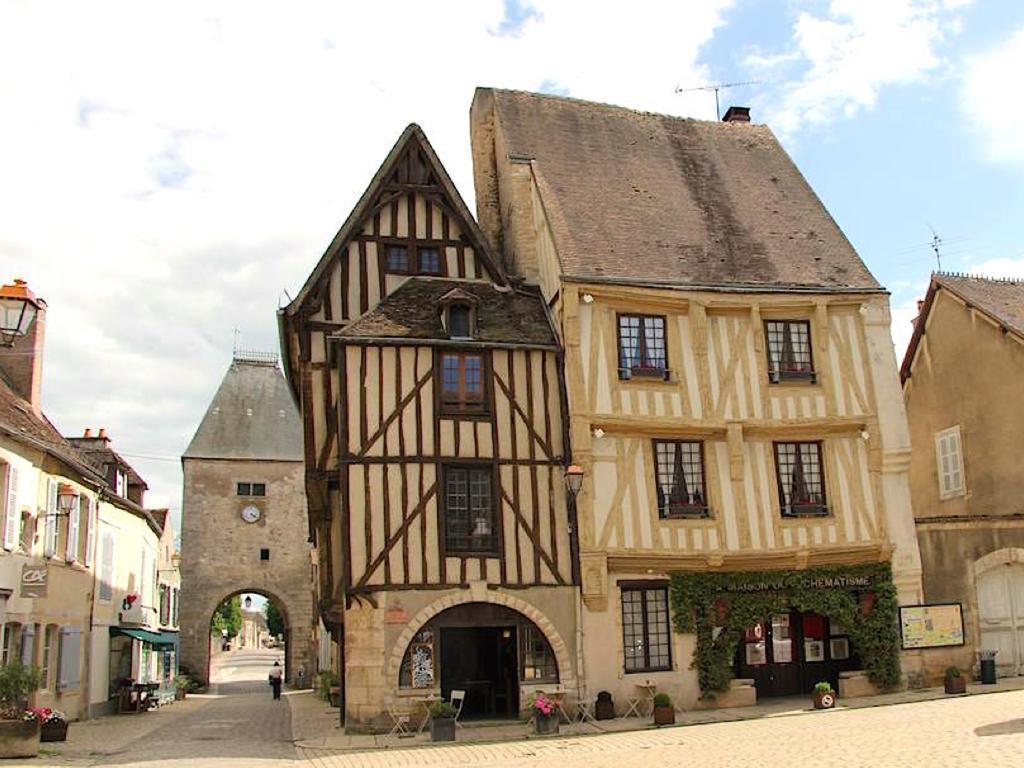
(301, 677)
(274, 679)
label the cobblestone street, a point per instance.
(250, 729)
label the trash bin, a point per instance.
(988, 667)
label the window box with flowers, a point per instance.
(53, 725)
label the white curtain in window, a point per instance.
(52, 521)
(654, 345)
(74, 519)
(90, 530)
(12, 522)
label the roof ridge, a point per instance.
(986, 278)
(607, 105)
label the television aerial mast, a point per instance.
(716, 87)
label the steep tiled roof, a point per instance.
(1001, 299)
(160, 516)
(18, 420)
(252, 416)
(649, 198)
(413, 311)
(99, 456)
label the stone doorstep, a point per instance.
(517, 731)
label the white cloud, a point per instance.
(1000, 267)
(838, 63)
(990, 99)
(168, 170)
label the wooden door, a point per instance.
(1001, 616)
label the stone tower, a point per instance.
(244, 523)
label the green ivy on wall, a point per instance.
(717, 607)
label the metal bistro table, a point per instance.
(425, 702)
(136, 697)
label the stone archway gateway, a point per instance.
(244, 521)
(999, 580)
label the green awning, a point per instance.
(153, 638)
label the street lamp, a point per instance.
(573, 479)
(18, 308)
(248, 602)
(67, 498)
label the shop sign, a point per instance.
(932, 626)
(34, 580)
(820, 582)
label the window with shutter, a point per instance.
(949, 458)
(90, 531)
(107, 568)
(69, 652)
(52, 521)
(28, 645)
(74, 520)
(9, 498)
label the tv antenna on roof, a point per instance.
(716, 87)
(936, 242)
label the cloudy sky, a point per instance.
(168, 171)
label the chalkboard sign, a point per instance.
(423, 666)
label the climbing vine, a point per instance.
(717, 607)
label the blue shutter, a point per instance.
(28, 645)
(70, 646)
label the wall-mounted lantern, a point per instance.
(573, 479)
(67, 498)
(18, 308)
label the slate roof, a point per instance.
(252, 416)
(649, 198)
(1001, 299)
(160, 516)
(412, 311)
(99, 455)
(18, 420)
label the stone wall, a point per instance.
(221, 553)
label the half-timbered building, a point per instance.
(433, 412)
(733, 394)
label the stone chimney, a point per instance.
(22, 363)
(736, 115)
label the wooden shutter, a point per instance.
(107, 568)
(950, 463)
(28, 645)
(70, 643)
(74, 520)
(90, 531)
(12, 522)
(52, 521)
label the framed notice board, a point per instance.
(936, 625)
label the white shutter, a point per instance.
(90, 531)
(52, 521)
(950, 463)
(107, 568)
(28, 645)
(12, 523)
(74, 519)
(70, 643)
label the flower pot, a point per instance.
(956, 685)
(19, 738)
(334, 694)
(179, 694)
(664, 715)
(442, 729)
(825, 700)
(55, 731)
(545, 725)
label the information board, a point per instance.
(938, 625)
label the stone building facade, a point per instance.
(244, 526)
(962, 380)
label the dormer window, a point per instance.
(459, 321)
(458, 314)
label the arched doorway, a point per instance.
(1000, 585)
(487, 650)
(249, 632)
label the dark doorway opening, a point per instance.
(482, 661)
(791, 652)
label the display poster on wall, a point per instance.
(423, 660)
(938, 625)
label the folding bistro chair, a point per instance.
(456, 700)
(400, 719)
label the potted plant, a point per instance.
(442, 721)
(53, 725)
(182, 685)
(824, 696)
(664, 712)
(545, 714)
(19, 727)
(955, 681)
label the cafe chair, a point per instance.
(400, 720)
(457, 700)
